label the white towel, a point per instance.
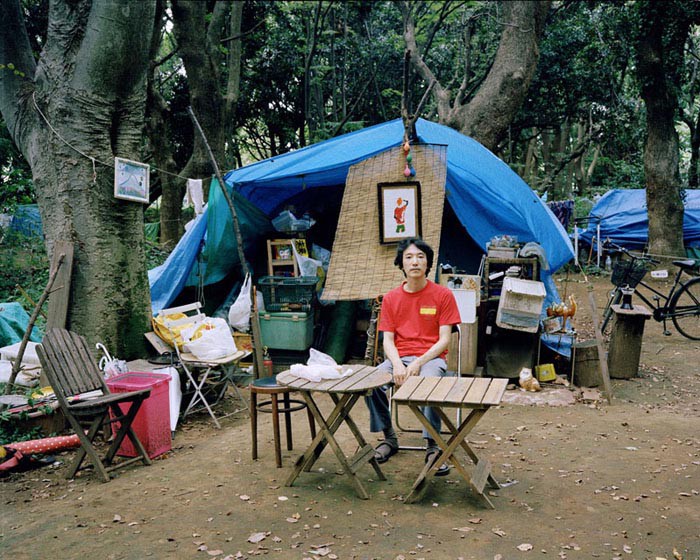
(195, 195)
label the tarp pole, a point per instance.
(576, 245)
(229, 200)
(597, 233)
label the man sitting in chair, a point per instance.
(416, 319)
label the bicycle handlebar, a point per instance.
(607, 243)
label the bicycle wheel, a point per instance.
(615, 298)
(684, 309)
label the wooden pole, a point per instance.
(229, 200)
(603, 362)
(257, 343)
(17, 366)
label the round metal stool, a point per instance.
(269, 386)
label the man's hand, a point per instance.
(406, 371)
(400, 373)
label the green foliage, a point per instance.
(16, 186)
(14, 427)
(25, 264)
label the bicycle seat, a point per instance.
(686, 264)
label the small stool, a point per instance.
(269, 386)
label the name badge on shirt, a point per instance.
(428, 311)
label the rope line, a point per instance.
(91, 158)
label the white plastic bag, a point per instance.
(319, 366)
(307, 265)
(239, 314)
(215, 342)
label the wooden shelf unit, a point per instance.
(277, 266)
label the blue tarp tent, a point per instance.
(207, 252)
(487, 197)
(622, 214)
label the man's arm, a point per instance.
(392, 354)
(433, 352)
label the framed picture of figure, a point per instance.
(399, 211)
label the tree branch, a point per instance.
(15, 50)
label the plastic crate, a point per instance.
(628, 273)
(287, 331)
(152, 422)
(288, 294)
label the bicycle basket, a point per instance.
(628, 273)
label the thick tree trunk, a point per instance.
(90, 85)
(488, 114)
(662, 37)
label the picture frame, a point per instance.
(399, 211)
(131, 180)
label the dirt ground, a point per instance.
(588, 480)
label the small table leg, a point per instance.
(448, 448)
(325, 436)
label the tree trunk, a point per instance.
(198, 46)
(488, 114)
(90, 85)
(662, 37)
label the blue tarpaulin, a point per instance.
(14, 321)
(488, 198)
(623, 218)
(208, 250)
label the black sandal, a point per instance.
(431, 456)
(384, 450)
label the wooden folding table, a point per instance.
(345, 393)
(475, 395)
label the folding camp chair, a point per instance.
(207, 380)
(83, 395)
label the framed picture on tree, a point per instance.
(399, 211)
(131, 180)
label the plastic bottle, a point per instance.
(608, 263)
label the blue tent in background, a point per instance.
(488, 198)
(623, 218)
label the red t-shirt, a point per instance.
(416, 318)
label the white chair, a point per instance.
(207, 380)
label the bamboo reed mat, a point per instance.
(360, 267)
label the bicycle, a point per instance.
(681, 304)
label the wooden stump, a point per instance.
(626, 341)
(587, 364)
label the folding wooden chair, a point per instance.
(207, 380)
(83, 395)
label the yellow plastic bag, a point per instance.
(170, 335)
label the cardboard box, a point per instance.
(463, 282)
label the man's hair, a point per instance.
(420, 244)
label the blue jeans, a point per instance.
(378, 402)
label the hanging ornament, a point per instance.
(406, 147)
(407, 171)
(412, 172)
(409, 158)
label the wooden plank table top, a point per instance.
(452, 392)
(361, 380)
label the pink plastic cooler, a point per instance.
(152, 422)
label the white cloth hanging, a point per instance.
(195, 195)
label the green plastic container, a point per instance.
(287, 330)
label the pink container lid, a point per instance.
(135, 380)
